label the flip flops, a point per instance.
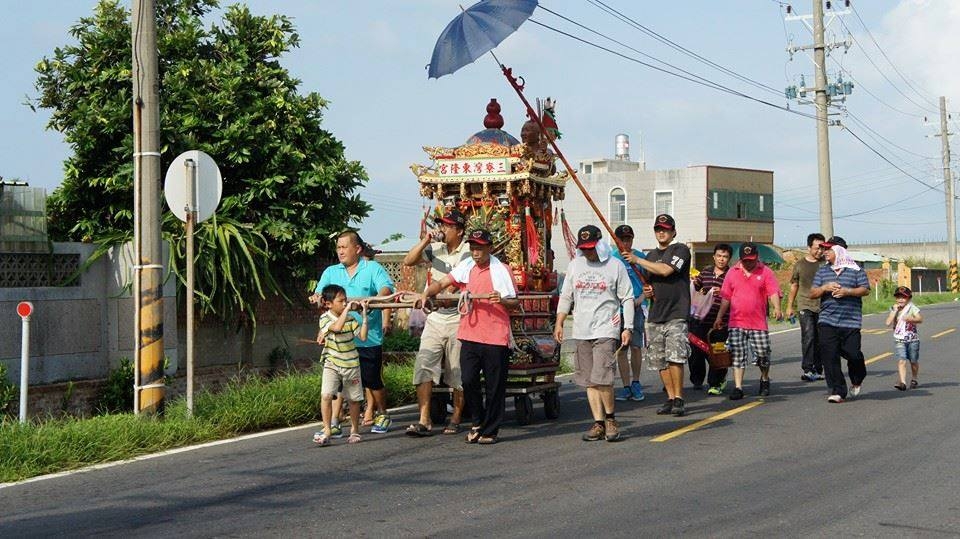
(354, 438)
(487, 440)
(473, 436)
(901, 387)
(452, 428)
(419, 430)
(913, 384)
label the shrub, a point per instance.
(398, 380)
(8, 391)
(117, 393)
(400, 341)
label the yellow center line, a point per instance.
(942, 333)
(704, 422)
(878, 358)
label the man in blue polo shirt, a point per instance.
(363, 278)
(840, 284)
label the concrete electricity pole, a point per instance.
(825, 93)
(948, 185)
(823, 136)
(148, 299)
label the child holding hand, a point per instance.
(904, 317)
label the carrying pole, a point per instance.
(518, 87)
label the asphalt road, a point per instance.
(885, 464)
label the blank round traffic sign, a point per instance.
(209, 185)
(24, 309)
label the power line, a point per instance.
(670, 43)
(881, 156)
(692, 78)
(888, 141)
(887, 58)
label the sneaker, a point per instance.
(622, 394)
(678, 407)
(595, 433)
(696, 387)
(715, 390)
(855, 391)
(381, 424)
(636, 392)
(667, 408)
(612, 430)
(836, 399)
(808, 376)
(819, 376)
(764, 388)
(336, 431)
(736, 394)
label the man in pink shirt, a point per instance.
(745, 292)
(484, 333)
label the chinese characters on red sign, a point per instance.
(473, 167)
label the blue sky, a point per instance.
(367, 58)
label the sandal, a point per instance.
(354, 438)
(473, 436)
(452, 428)
(321, 439)
(901, 387)
(913, 384)
(367, 423)
(487, 440)
(419, 430)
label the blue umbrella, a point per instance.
(476, 31)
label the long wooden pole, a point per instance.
(508, 73)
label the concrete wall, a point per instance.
(80, 332)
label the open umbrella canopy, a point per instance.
(768, 255)
(476, 31)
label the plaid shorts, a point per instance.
(741, 342)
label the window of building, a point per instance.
(663, 202)
(618, 206)
(716, 197)
(761, 203)
(587, 168)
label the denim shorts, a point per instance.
(907, 350)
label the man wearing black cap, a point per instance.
(632, 390)
(840, 284)
(484, 333)
(669, 288)
(745, 292)
(599, 290)
(439, 347)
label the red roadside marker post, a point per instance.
(24, 309)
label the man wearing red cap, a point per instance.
(599, 290)
(439, 347)
(669, 288)
(745, 292)
(484, 333)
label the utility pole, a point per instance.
(823, 136)
(948, 184)
(149, 386)
(825, 93)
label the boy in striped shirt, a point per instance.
(341, 367)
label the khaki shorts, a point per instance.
(666, 343)
(439, 352)
(595, 362)
(346, 379)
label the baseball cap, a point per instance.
(834, 240)
(903, 291)
(749, 251)
(452, 217)
(481, 237)
(588, 237)
(664, 221)
(624, 231)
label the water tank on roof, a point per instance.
(623, 147)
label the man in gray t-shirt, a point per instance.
(809, 309)
(599, 289)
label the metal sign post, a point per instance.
(24, 309)
(191, 211)
(192, 187)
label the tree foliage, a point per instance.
(287, 185)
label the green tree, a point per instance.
(287, 185)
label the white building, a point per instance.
(711, 204)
